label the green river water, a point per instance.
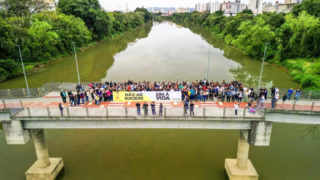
(162, 51)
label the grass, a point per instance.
(306, 71)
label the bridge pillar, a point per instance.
(241, 168)
(44, 168)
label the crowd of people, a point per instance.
(201, 90)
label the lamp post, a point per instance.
(208, 62)
(75, 55)
(262, 66)
(24, 72)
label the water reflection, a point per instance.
(160, 51)
(93, 63)
(248, 69)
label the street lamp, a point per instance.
(262, 66)
(24, 72)
(75, 55)
(208, 61)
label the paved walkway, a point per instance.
(53, 99)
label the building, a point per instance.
(255, 6)
(201, 7)
(268, 7)
(228, 7)
(212, 7)
(286, 7)
(1, 5)
(279, 8)
(51, 4)
(243, 7)
(170, 12)
(216, 6)
(237, 6)
(183, 10)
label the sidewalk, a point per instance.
(53, 99)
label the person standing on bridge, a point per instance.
(236, 107)
(191, 109)
(63, 96)
(284, 98)
(69, 94)
(298, 92)
(61, 109)
(160, 109)
(228, 93)
(185, 107)
(138, 108)
(273, 102)
(153, 108)
(223, 95)
(78, 97)
(145, 107)
(262, 100)
(290, 91)
(72, 100)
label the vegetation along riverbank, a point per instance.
(294, 38)
(44, 36)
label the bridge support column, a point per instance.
(241, 168)
(44, 168)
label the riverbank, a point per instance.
(38, 67)
(305, 71)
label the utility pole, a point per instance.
(75, 55)
(24, 72)
(208, 61)
(262, 67)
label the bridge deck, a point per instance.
(132, 112)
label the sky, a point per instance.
(133, 4)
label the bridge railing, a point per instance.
(58, 86)
(298, 105)
(305, 94)
(132, 112)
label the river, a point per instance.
(164, 51)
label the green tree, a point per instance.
(299, 36)
(42, 34)
(147, 15)
(253, 37)
(8, 68)
(312, 7)
(90, 12)
(6, 39)
(247, 11)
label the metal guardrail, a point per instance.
(58, 86)
(132, 112)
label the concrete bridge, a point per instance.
(22, 124)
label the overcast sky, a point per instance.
(133, 4)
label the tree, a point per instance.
(147, 15)
(90, 12)
(8, 68)
(23, 9)
(6, 39)
(218, 13)
(68, 28)
(298, 37)
(41, 32)
(247, 11)
(312, 7)
(253, 37)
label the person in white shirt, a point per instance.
(276, 96)
(236, 107)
